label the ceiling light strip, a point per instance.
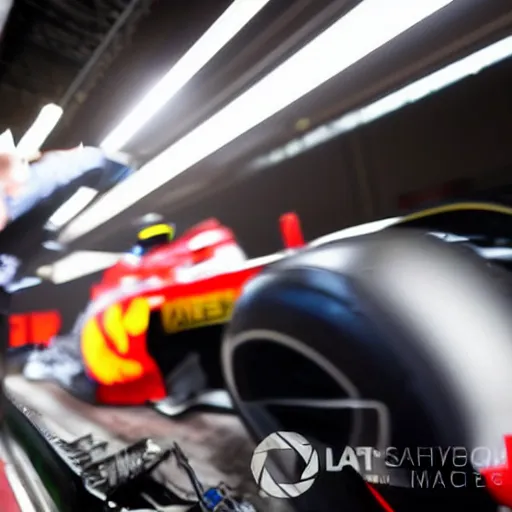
(227, 26)
(367, 27)
(426, 86)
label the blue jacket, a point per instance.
(52, 171)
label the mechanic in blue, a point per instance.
(27, 180)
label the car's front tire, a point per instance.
(393, 341)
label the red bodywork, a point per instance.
(7, 496)
(194, 280)
(35, 328)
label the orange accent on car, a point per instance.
(203, 254)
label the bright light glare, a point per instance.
(71, 208)
(7, 142)
(352, 231)
(411, 93)
(5, 9)
(236, 16)
(78, 264)
(364, 29)
(35, 136)
(23, 283)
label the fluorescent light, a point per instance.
(52, 245)
(35, 136)
(5, 9)
(149, 218)
(23, 283)
(365, 28)
(77, 265)
(411, 93)
(236, 16)
(7, 142)
(352, 231)
(71, 208)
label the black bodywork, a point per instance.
(66, 469)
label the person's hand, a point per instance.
(14, 173)
(4, 215)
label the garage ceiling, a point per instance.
(163, 36)
(47, 43)
(460, 29)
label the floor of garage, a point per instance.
(217, 445)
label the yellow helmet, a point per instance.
(155, 235)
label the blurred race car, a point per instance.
(153, 328)
(370, 337)
(154, 322)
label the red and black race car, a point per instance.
(390, 339)
(157, 316)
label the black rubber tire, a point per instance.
(360, 308)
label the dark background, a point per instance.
(461, 133)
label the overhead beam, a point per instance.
(104, 54)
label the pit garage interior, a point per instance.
(414, 121)
(371, 171)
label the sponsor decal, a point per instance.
(198, 311)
